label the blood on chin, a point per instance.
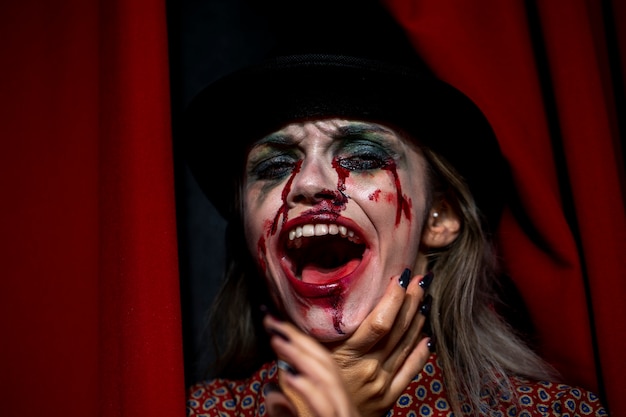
(324, 330)
(328, 335)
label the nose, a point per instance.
(316, 181)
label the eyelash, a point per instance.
(365, 161)
(274, 168)
(356, 157)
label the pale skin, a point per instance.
(355, 333)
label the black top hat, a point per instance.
(382, 81)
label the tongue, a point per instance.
(314, 274)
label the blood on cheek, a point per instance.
(285, 193)
(403, 203)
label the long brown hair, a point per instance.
(476, 347)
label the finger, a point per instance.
(381, 319)
(308, 374)
(398, 311)
(414, 297)
(405, 345)
(294, 346)
(412, 365)
(405, 319)
(406, 360)
(403, 334)
(315, 398)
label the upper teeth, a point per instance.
(308, 230)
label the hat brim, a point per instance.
(228, 115)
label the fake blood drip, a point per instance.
(335, 302)
(261, 248)
(335, 297)
(342, 174)
(284, 209)
(404, 206)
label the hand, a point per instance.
(363, 375)
(387, 350)
(310, 381)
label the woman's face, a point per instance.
(333, 209)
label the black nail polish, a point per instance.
(271, 387)
(426, 280)
(270, 310)
(405, 278)
(278, 333)
(286, 367)
(432, 344)
(426, 304)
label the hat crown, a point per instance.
(353, 28)
(355, 65)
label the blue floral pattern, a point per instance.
(425, 396)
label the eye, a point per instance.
(273, 168)
(364, 157)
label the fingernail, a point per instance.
(270, 387)
(286, 367)
(278, 333)
(265, 310)
(431, 344)
(426, 280)
(405, 278)
(426, 304)
(271, 311)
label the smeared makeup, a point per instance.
(404, 205)
(342, 174)
(284, 209)
(321, 263)
(371, 138)
(375, 195)
(336, 304)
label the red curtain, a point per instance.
(541, 72)
(89, 298)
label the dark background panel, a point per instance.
(207, 40)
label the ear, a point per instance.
(442, 227)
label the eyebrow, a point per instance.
(276, 138)
(360, 129)
(350, 130)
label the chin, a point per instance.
(330, 335)
(330, 325)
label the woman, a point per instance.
(338, 189)
(361, 194)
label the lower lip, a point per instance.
(330, 289)
(309, 290)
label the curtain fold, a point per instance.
(585, 107)
(49, 209)
(141, 334)
(541, 72)
(89, 297)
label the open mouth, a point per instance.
(323, 253)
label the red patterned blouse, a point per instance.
(425, 396)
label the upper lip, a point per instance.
(318, 224)
(295, 234)
(322, 225)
